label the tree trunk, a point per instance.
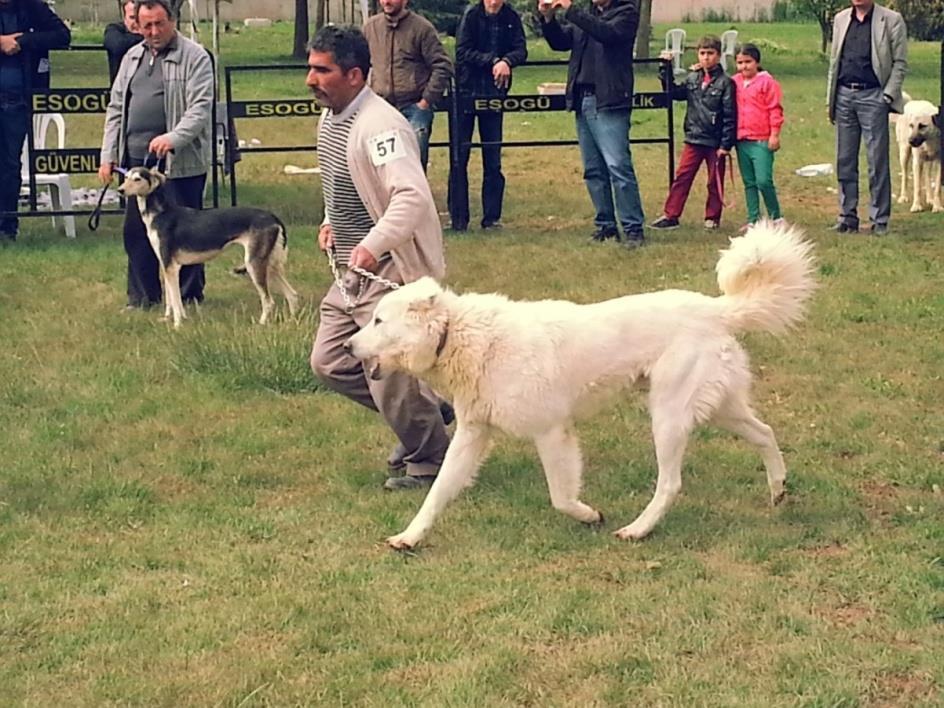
(299, 50)
(321, 7)
(644, 35)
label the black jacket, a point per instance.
(711, 117)
(117, 41)
(42, 30)
(610, 37)
(474, 55)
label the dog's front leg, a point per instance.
(934, 186)
(172, 293)
(466, 451)
(904, 152)
(916, 180)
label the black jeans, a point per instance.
(493, 181)
(144, 277)
(14, 122)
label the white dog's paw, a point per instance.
(937, 208)
(402, 542)
(633, 532)
(777, 493)
(902, 200)
(916, 208)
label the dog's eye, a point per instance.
(377, 321)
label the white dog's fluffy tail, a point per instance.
(766, 277)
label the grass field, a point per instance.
(186, 519)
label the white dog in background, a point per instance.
(919, 149)
(531, 368)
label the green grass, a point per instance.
(187, 519)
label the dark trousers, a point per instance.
(144, 275)
(689, 162)
(14, 122)
(493, 181)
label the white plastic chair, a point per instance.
(729, 40)
(675, 44)
(60, 187)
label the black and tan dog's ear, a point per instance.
(159, 177)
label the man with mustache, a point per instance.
(379, 216)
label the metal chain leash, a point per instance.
(349, 303)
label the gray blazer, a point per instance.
(188, 106)
(889, 54)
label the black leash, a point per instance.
(96, 214)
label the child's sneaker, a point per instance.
(711, 224)
(741, 230)
(665, 222)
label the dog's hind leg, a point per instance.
(259, 272)
(465, 453)
(277, 276)
(563, 466)
(736, 415)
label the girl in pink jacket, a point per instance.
(760, 117)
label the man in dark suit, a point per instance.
(119, 38)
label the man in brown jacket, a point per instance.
(411, 69)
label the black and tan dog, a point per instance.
(182, 236)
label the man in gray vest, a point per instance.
(160, 111)
(867, 66)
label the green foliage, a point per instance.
(925, 18)
(444, 14)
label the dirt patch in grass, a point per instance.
(902, 689)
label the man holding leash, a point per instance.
(867, 65)
(380, 219)
(161, 105)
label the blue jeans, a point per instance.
(493, 181)
(421, 120)
(608, 166)
(14, 123)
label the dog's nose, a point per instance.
(347, 346)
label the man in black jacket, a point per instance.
(28, 30)
(119, 38)
(600, 91)
(489, 44)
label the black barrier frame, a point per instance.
(42, 96)
(450, 106)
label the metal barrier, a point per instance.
(78, 160)
(302, 107)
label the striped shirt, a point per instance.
(346, 212)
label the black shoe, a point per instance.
(8, 236)
(497, 224)
(603, 233)
(395, 461)
(459, 226)
(843, 228)
(665, 222)
(395, 484)
(633, 240)
(879, 229)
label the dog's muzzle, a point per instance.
(916, 141)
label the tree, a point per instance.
(299, 47)
(644, 35)
(823, 12)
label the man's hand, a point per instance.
(773, 142)
(666, 55)
(362, 258)
(161, 145)
(325, 237)
(423, 103)
(723, 153)
(546, 9)
(105, 172)
(501, 73)
(9, 44)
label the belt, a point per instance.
(857, 86)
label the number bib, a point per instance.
(386, 147)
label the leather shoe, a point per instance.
(879, 229)
(395, 484)
(844, 228)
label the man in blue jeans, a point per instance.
(600, 92)
(409, 66)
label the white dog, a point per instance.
(530, 368)
(919, 143)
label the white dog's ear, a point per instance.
(424, 294)
(160, 176)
